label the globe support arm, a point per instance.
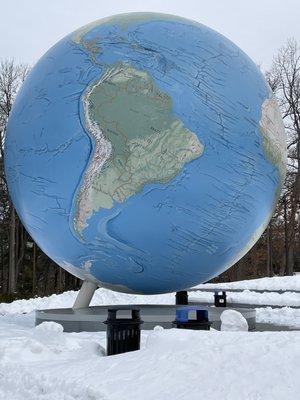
(85, 295)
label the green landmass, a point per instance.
(273, 134)
(148, 143)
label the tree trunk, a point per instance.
(290, 260)
(270, 251)
(283, 268)
(289, 236)
(12, 252)
(34, 269)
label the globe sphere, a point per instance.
(145, 152)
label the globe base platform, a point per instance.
(92, 318)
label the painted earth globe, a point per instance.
(145, 152)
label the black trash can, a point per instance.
(182, 298)
(220, 298)
(123, 334)
(183, 321)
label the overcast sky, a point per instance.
(29, 27)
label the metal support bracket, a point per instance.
(85, 295)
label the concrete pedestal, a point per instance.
(92, 319)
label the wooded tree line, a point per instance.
(25, 270)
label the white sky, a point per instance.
(29, 27)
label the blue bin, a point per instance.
(183, 321)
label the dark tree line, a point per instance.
(25, 270)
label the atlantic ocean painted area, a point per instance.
(167, 236)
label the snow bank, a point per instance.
(287, 316)
(275, 283)
(66, 299)
(233, 321)
(280, 316)
(248, 297)
(45, 363)
(104, 296)
(175, 364)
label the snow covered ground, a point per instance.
(44, 363)
(285, 316)
(275, 283)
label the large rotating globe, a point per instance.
(145, 152)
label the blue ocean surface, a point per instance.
(166, 237)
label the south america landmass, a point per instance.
(137, 140)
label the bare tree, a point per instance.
(12, 76)
(284, 78)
